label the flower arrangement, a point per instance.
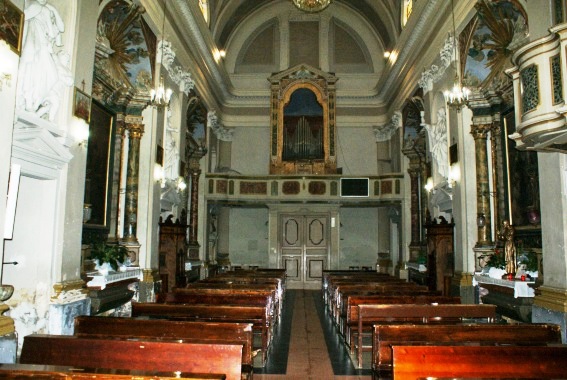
(113, 254)
(497, 260)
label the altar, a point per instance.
(513, 298)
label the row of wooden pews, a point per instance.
(210, 329)
(410, 330)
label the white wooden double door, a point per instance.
(304, 247)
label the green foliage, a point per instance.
(114, 254)
(497, 260)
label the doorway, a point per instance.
(304, 248)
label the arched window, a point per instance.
(407, 6)
(204, 5)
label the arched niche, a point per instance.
(302, 122)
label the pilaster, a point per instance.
(480, 133)
(135, 131)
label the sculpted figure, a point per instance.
(42, 71)
(438, 142)
(506, 233)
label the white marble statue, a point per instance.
(438, 145)
(171, 161)
(44, 72)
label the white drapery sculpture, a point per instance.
(44, 72)
(438, 141)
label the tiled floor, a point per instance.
(306, 345)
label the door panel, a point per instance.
(291, 265)
(304, 249)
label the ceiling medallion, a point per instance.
(311, 6)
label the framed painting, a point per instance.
(100, 163)
(11, 25)
(82, 105)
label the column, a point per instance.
(497, 172)
(550, 305)
(135, 131)
(480, 133)
(119, 152)
(194, 174)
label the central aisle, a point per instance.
(308, 354)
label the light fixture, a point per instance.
(457, 97)
(429, 184)
(311, 6)
(387, 54)
(481, 220)
(160, 96)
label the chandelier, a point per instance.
(458, 96)
(311, 6)
(160, 96)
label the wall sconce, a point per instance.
(453, 176)
(219, 54)
(428, 184)
(181, 185)
(159, 174)
(5, 79)
(82, 136)
(481, 220)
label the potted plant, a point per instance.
(108, 256)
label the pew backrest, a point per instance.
(134, 354)
(36, 371)
(386, 336)
(533, 362)
(86, 326)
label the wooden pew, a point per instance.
(224, 288)
(372, 287)
(257, 315)
(532, 362)
(144, 355)
(188, 331)
(384, 337)
(369, 315)
(36, 371)
(349, 320)
(228, 296)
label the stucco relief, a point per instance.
(44, 66)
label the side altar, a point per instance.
(513, 298)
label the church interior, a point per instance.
(192, 153)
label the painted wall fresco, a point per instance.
(500, 27)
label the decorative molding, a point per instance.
(385, 132)
(221, 132)
(552, 298)
(435, 72)
(181, 77)
(68, 291)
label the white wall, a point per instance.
(249, 236)
(356, 151)
(251, 150)
(358, 245)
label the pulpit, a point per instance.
(172, 254)
(440, 254)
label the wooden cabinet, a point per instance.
(440, 254)
(172, 254)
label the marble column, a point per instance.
(550, 304)
(135, 131)
(497, 172)
(119, 152)
(480, 133)
(194, 174)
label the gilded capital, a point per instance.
(480, 131)
(136, 130)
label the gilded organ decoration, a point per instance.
(303, 134)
